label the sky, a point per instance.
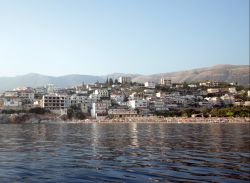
(98, 37)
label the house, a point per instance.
(232, 90)
(117, 97)
(12, 102)
(149, 84)
(99, 109)
(215, 101)
(228, 99)
(166, 82)
(213, 90)
(102, 93)
(121, 112)
(135, 104)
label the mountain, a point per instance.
(117, 75)
(227, 73)
(35, 80)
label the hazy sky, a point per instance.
(59, 37)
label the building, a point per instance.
(12, 103)
(121, 112)
(213, 90)
(11, 94)
(228, 99)
(102, 92)
(55, 102)
(232, 90)
(78, 99)
(124, 79)
(117, 97)
(149, 84)
(99, 109)
(135, 104)
(166, 82)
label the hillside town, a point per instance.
(123, 98)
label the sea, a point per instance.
(125, 152)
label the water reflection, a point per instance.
(132, 152)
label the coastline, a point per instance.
(22, 118)
(154, 119)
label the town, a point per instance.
(121, 98)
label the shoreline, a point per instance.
(167, 120)
(35, 118)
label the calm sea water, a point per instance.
(125, 153)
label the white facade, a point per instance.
(117, 97)
(11, 94)
(124, 79)
(213, 90)
(134, 104)
(149, 84)
(102, 92)
(227, 99)
(27, 95)
(166, 82)
(12, 102)
(78, 99)
(232, 90)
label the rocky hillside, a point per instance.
(228, 73)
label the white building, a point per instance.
(26, 95)
(213, 90)
(117, 97)
(102, 92)
(214, 101)
(232, 90)
(160, 106)
(228, 99)
(149, 84)
(119, 113)
(135, 104)
(166, 82)
(11, 94)
(12, 102)
(124, 79)
(78, 99)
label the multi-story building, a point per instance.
(11, 94)
(121, 112)
(228, 99)
(12, 102)
(166, 82)
(213, 90)
(55, 102)
(117, 97)
(102, 92)
(78, 99)
(135, 104)
(124, 79)
(99, 109)
(149, 84)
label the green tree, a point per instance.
(116, 82)
(111, 81)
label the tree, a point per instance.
(111, 81)
(116, 82)
(75, 112)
